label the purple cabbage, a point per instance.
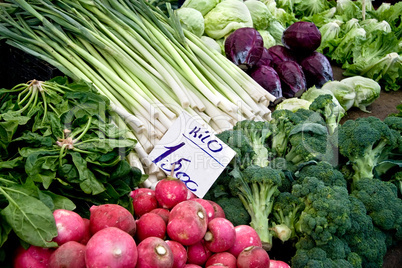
(302, 37)
(293, 81)
(268, 78)
(266, 59)
(244, 47)
(317, 69)
(279, 53)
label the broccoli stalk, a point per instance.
(365, 142)
(257, 187)
(282, 121)
(257, 133)
(286, 212)
(329, 110)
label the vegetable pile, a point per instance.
(77, 188)
(316, 196)
(170, 228)
(60, 149)
(363, 40)
(142, 60)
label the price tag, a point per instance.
(195, 154)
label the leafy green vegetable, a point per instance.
(60, 149)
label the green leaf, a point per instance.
(34, 139)
(31, 220)
(59, 201)
(89, 184)
(41, 166)
(5, 230)
(12, 163)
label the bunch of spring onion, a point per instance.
(141, 59)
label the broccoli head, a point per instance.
(317, 257)
(382, 203)
(309, 141)
(282, 122)
(241, 144)
(257, 187)
(336, 253)
(365, 142)
(286, 212)
(363, 238)
(327, 210)
(331, 112)
(258, 133)
(234, 210)
(324, 171)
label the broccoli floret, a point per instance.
(234, 210)
(312, 258)
(330, 111)
(286, 212)
(309, 141)
(257, 187)
(365, 142)
(363, 238)
(310, 116)
(355, 260)
(382, 203)
(324, 171)
(241, 144)
(258, 133)
(326, 210)
(220, 187)
(333, 254)
(394, 122)
(282, 122)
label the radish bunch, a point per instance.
(170, 227)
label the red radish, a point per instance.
(144, 201)
(189, 265)
(245, 236)
(253, 257)
(154, 252)
(219, 212)
(187, 222)
(70, 226)
(198, 253)
(163, 212)
(224, 258)
(111, 215)
(220, 265)
(207, 206)
(179, 253)
(220, 235)
(150, 224)
(170, 191)
(33, 256)
(278, 264)
(87, 233)
(190, 194)
(69, 255)
(111, 247)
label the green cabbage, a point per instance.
(204, 6)
(192, 20)
(226, 17)
(367, 90)
(260, 14)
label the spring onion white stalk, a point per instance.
(141, 59)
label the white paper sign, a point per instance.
(196, 154)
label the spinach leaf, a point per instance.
(31, 220)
